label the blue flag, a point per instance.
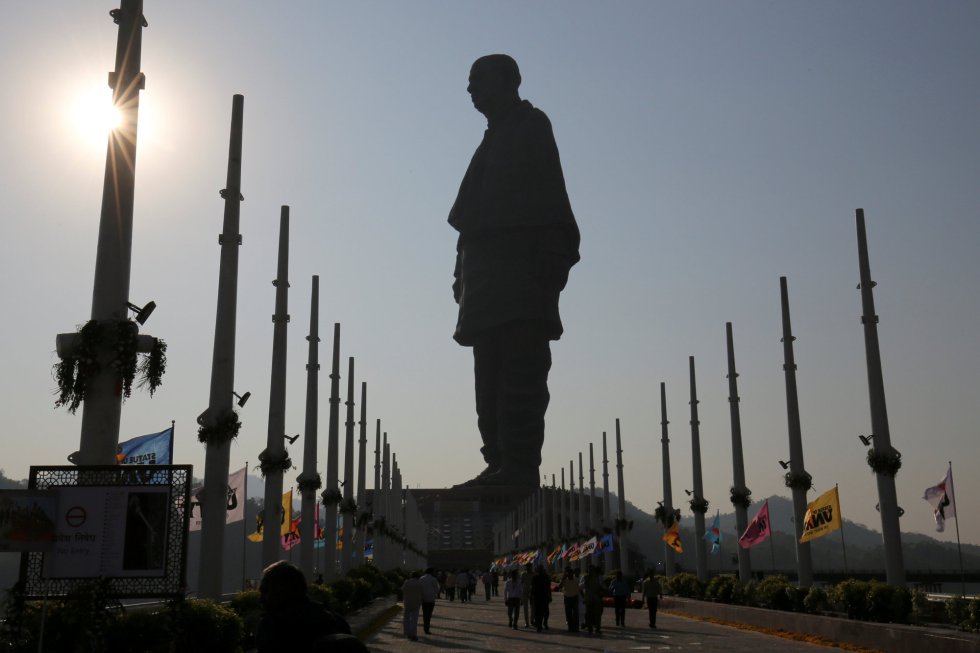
(713, 534)
(151, 449)
(606, 544)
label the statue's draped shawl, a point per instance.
(517, 234)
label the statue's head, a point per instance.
(493, 84)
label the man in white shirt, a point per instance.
(430, 591)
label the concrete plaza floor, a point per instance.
(482, 626)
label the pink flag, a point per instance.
(758, 529)
(291, 539)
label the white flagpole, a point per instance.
(956, 516)
(842, 548)
(244, 526)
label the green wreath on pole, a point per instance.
(798, 481)
(224, 429)
(74, 372)
(269, 462)
(741, 498)
(884, 462)
(698, 504)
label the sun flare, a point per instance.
(94, 116)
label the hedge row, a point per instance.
(87, 621)
(863, 600)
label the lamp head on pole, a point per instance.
(241, 398)
(866, 439)
(785, 463)
(142, 314)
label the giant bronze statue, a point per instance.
(517, 241)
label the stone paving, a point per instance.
(481, 626)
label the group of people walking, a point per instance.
(528, 593)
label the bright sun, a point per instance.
(94, 116)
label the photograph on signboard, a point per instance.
(27, 520)
(145, 535)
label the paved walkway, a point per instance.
(482, 626)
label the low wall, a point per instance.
(891, 638)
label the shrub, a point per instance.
(686, 585)
(342, 590)
(816, 600)
(203, 625)
(745, 593)
(900, 607)
(852, 594)
(956, 610)
(973, 616)
(722, 589)
(248, 607)
(879, 601)
(84, 615)
(772, 593)
(323, 594)
(380, 585)
(144, 631)
(921, 608)
(361, 594)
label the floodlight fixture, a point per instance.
(142, 314)
(241, 398)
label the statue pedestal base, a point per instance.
(461, 520)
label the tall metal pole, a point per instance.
(274, 456)
(332, 489)
(395, 509)
(740, 494)
(555, 533)
(377, 466)
(804, 561)
(102, 407)
(384, 562)
(347, 541)
(668, 495)
(582, 518)
(623, 537)
(698, 507)
(309, 481)
(606, 513)
(593, 521)
(362, 471)
(887, 498)
(214, 496)
(564, 528)
(573, 514)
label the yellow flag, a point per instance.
(822, 516)
(257, 535)
(673, 538)
(286, 516)
(287, 522)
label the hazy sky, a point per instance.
(708, 148)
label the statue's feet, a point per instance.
(511, 477)
(480, 479)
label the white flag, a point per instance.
(940, 497)
(235, 498)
